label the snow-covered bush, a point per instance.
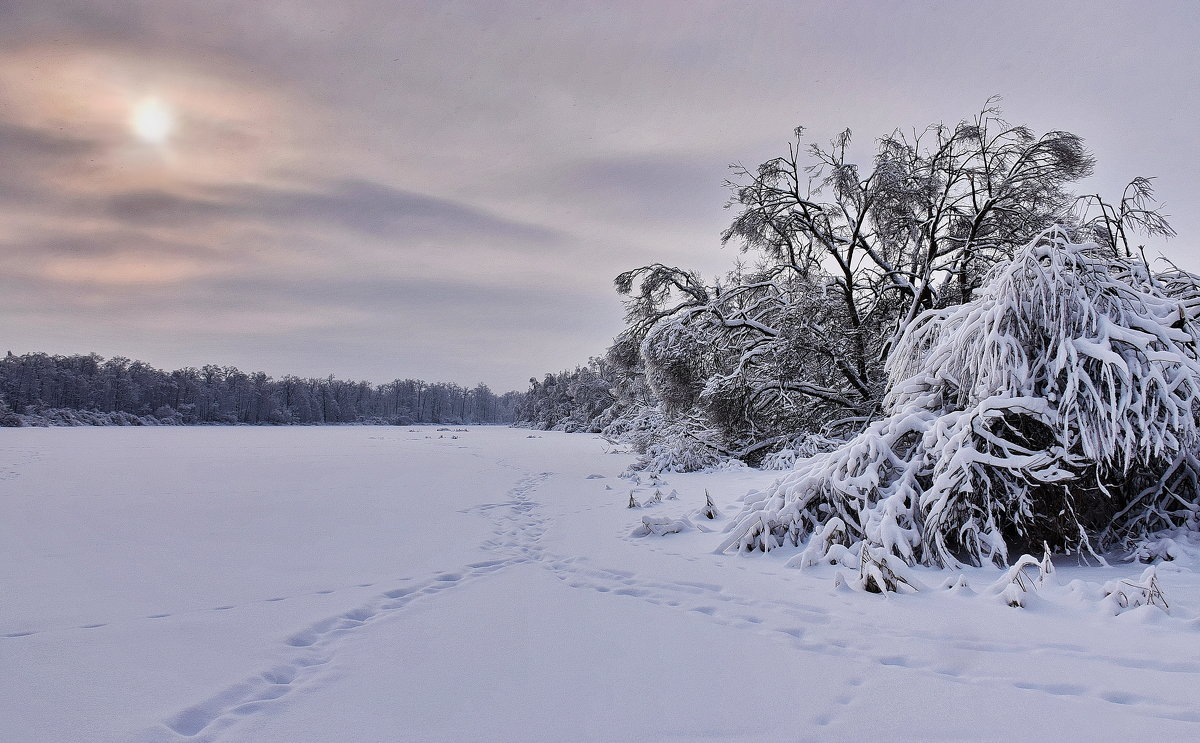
(638, 427)
(1059, 406)
(880, 572)
(784, 459)
(46, 417)
(1023, 579)
(677, 448)
(1169, 545)
(1124, 594)
(168, 416)
(802, 447)
(708, 510)
(662, 525)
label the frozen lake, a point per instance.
(382, 584)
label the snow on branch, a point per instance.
(1059, 406)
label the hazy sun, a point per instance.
(152, 121)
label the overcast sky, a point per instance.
(446, 190)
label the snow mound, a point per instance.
(662, 525)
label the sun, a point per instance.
(152, 121)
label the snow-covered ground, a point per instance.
(283, 585)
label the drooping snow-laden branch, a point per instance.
(1061, 405)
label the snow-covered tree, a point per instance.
(844, 259)
(1059, 406)
(574, 400)
(788, 351)
(224, 394)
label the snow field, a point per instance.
(381, 584)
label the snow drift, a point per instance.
(1058, 408)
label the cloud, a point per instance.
(38, 146)
(356, 205)
(31, 158)
(374, 208)
(104, 245)
(161, 208)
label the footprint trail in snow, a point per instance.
(518, 525)
(516, 534)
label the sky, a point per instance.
(446, 190)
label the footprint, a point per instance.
(310, 636)
(20, 634)
(1121, 697)
(359, 615)
(302, 639)
(191, 721)
(277, 691)
(449, 577)
(1182, 716)
(484, 564)
(282, 675)
(91, 626)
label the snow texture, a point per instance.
(309, 584)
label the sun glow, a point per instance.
(152, 121)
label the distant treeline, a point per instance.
(37, 387)
(575, 400)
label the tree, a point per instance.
(1059, 408)
(572, 400)
(127, 390)
(845, 258)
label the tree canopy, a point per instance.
(956, 356)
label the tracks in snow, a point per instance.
(304, 655)
(518, 527)
(872, 645)
(515, 541)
